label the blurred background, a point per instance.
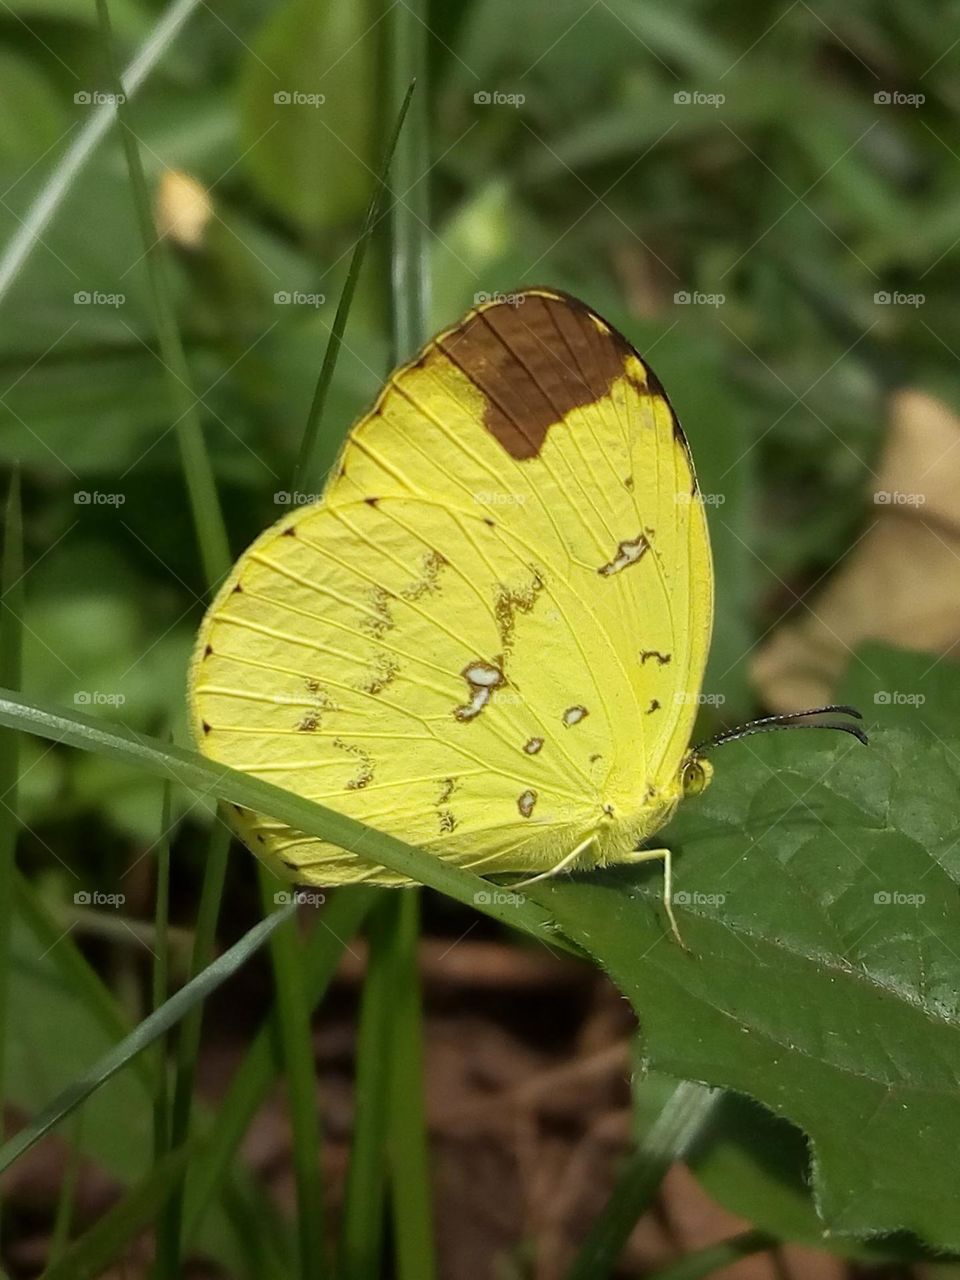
(765, 197)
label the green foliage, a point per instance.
(836, 1012)
(816, 889)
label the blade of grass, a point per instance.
(143, 1035)
(90, 1256)
(363, 1211)
(668, 1138)
(409, 216)
(407, 1139)
(188, 1042)
(262, 1236)
(43, 208)
(715, 1257)
(198, 472)
(293, 1026)
(160, 978)
(11, 660)
(407, 1149)
(255, 1076)
(191, 769)
(335, 341)
(66, 1199)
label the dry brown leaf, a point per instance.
(901, 582)
(182, 208)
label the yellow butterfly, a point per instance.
(489, 635)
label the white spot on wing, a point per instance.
(525, 803)
(532, 746)
(628, 553)
(482, 679)
(573, 715)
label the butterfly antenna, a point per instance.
(790, 720)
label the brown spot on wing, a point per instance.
(662, 658)
(525, 802)
(384, 671)
(429, 580)
(534, 362)
(447, 818)
(365, 772)
(509, 602)
(379, 619)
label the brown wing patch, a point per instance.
(534, 360)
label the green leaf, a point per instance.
(143, 1035)
(310, 157)
(816, 888)
(894, 687)
(108, 1238)
(757, 1166)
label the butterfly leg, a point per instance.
(664, 855)
(566, 861)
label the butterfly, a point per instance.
(488, 636)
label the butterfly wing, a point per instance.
(488, 637)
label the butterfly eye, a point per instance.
(693, 777)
